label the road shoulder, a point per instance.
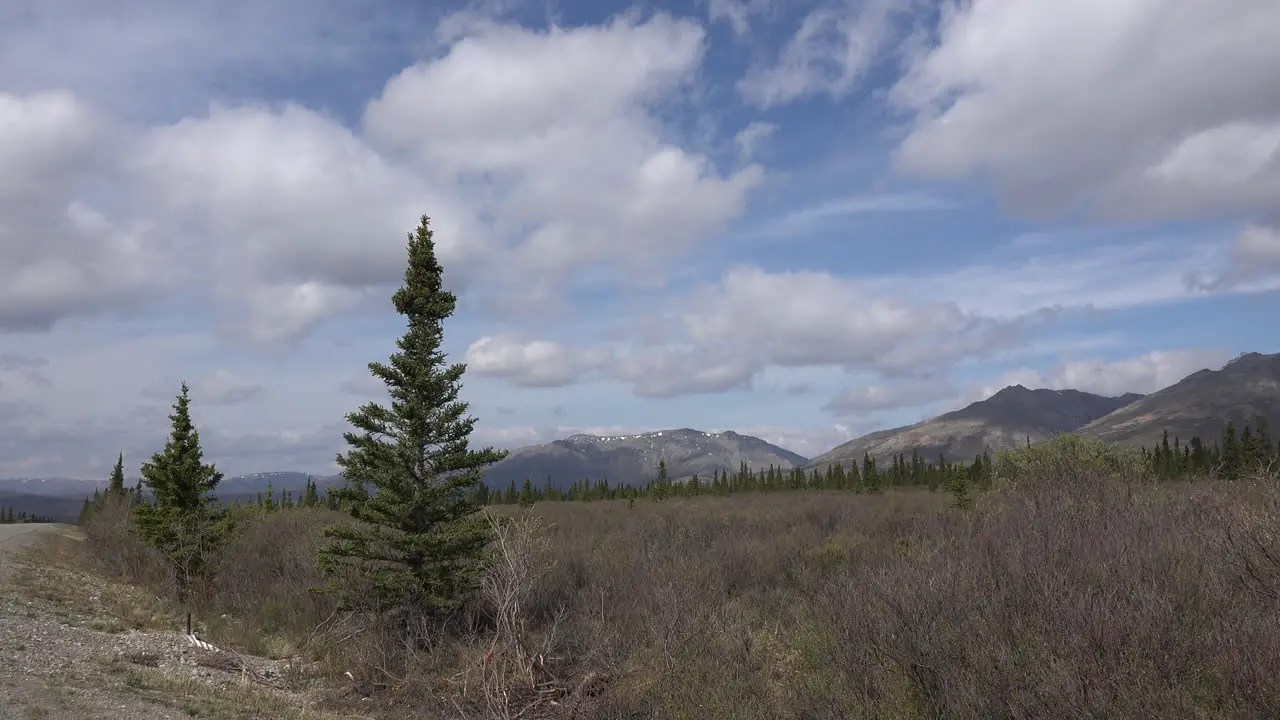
(76, 646)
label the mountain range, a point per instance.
(62, 498)
(1007, 419)
(236, 485)
(634, 458)
(1199, 404)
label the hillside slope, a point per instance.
(1002, 421)
(1199, 404)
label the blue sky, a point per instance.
(802, 220)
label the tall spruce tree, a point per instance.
(115, 486)
(419, 540)
(182, 522)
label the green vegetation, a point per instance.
(1230, 458)
(1076, 584)
(115, 490)
(311, 497)
(115, 485)
(183, 522)
(905, 471)
(417, 539)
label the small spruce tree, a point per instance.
(269, 505)
(661, 486)
(311, 495)
(1232, 453)
(526, 498)
(958, 487)
(90, 506)
(419, 540)
(183, 522)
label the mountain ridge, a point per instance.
(633, 458)
(1006, 419)
(626, 459)
(1199, 404)
(248, 483)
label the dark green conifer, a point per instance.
(958, 487)
(311, 494)
(419, 538)
(660, 485)
(115, 486)
(182, 522)
(1232, 453)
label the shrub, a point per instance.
(267, 579)
(113, 544)
(1068, 460)
(1100, 597)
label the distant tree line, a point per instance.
(9, 517)
(1230, 457)
(115, 489)
(868, 477)
(267, 500)
(310, 497)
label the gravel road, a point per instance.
(72, 647)
(14, 537)
(55, 662)
(48, 668)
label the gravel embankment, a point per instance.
(56, 661)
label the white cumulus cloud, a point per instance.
(562, 125)
(59, 255)
(536, 363)
(1133, 107)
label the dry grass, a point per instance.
(60, 572)
(1074, 593)
(262, 600)
(199, 699)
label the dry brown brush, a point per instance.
(1078, 588)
